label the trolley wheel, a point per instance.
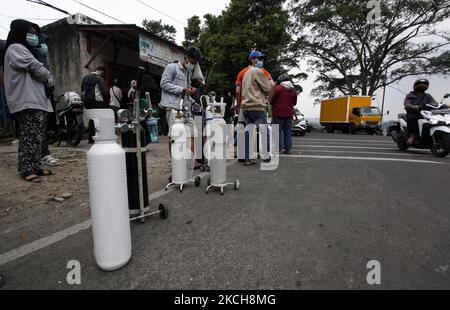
(237, 185)
(163, 212)
(198, 181)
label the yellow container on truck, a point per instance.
(350, 114)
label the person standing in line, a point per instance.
(116, 97)
(241, 76)
(41, 52)
(283, 103)
(256, 89)
(25, 81)
(176, 84)
(95, 95)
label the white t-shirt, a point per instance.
(116, 96)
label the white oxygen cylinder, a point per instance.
(240, 130)
(108, 194)
(179, 152)
(264, 147)
(219, 152)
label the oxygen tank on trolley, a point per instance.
(108, 194)
(182, 156)
(216, 145)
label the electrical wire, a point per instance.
(29, 18)
(48, 5)
(160, 12)
(95, 10)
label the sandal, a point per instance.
(44, 173)
(33, 178)
(50, 161)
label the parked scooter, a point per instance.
(68, 125)
(299, 125)
(434, 130)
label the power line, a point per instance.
(48, 5)
(4, 28)
(28, 18)
(95, 10)
(160, 12)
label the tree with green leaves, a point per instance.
(192, 31)
(244, 25)
(164, 31)
(356, 47)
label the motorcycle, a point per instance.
(299, 128)
(434, 130)
(299, 125)
(68, 121)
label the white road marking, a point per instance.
(330, 143)
(63, 234)
(42, 243)
(372, 153)
(345, 147)
(56, 237)
(339, 140)
(365, 158)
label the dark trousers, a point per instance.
(285, 132)
(32, 140)
(412, 119)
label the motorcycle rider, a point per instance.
(415, 102)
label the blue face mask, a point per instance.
(32, 39)
(44, 49)
(259, 64)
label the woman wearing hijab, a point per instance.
(25, 82)
(41, 52)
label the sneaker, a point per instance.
(50, 161)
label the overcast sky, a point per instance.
(176, 13)
(130, 11)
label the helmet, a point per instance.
(421, 85)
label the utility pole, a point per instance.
(384, 98)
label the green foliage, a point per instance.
(441, 63)
(192, 31)
(167, 32)
(353, 56)
(244, 25)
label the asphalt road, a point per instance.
(336, 203)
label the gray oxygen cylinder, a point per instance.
(108, 194)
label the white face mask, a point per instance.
(190, 67)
